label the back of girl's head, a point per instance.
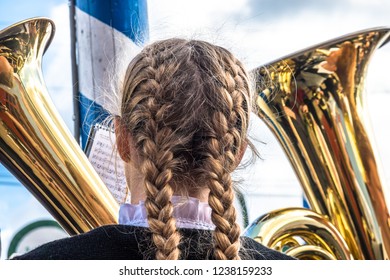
(186, 105)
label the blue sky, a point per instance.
(257, 32)
(17, 10)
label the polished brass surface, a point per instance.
(35, 144)
(313, 101)
(301, 233)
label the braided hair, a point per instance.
(186, 105)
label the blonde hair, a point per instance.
(187, 104)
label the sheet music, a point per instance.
(106, 161)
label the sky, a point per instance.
(257, 32)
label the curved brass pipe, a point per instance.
(35, 144)
(300, 233)
(313, 102)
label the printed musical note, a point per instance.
(104, 158)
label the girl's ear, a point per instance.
(122, 140)
(240, 155)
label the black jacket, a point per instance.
(121, 242)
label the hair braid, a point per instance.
(220, 161)
(221, 195)
(157, 169)
(227, 134)
(155, 143)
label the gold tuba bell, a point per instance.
(313, 102)
(35, 144)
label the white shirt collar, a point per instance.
(189, 213)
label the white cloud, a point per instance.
(202, 19)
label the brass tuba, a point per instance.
(313, 102)
(35, 144)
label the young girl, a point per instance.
(181, 133)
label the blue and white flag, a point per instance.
(108, 34)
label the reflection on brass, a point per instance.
(300, 233)
(313, 102)
(35, 144)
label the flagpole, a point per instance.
(75, 77)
